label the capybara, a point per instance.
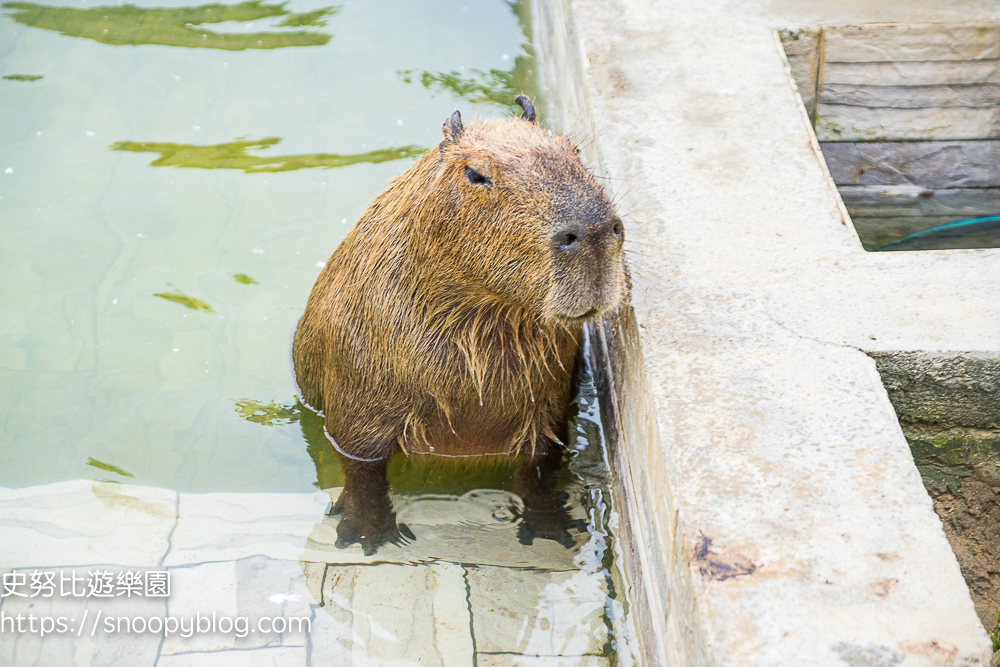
(448, 320)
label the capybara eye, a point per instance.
(475, 177)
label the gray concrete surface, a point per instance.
(777, 516)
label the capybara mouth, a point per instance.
(579, 318)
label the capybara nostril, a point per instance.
(567, 240)
(617, 228)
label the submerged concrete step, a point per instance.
(477, 528)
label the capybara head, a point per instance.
(526, 220)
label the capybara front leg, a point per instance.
(544, 514)
(366, 515)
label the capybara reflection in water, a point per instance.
(448, 320)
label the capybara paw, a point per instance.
(552, 523)
(372, 535)
(527, 532)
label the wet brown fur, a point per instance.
(445, 322)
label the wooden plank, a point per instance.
(841, 122)
(930, 164)
(981, 96)
(891, 42)
(913, 73)
(876, 231)
(900, 201)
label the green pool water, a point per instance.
(172, 178)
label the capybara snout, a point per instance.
(587, 271)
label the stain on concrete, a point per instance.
(868, 655)
(619, 81)
(939, 652)
(720, 567)
(884, 586)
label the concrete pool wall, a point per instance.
(776, 516)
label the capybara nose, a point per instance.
(617, 228)
(574, 236)
(568, 240)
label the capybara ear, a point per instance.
(453, 127)
(528, 106)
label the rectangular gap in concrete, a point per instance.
(948, 404)
(908, 119)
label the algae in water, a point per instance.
(129, 25)
(186, 301)
(233, 155)
(101, 465)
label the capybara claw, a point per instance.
(352, 530)
(403, 535)
(405, 531)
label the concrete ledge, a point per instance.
(777, 517)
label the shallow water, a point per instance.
(169, 202)
(173, 178)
